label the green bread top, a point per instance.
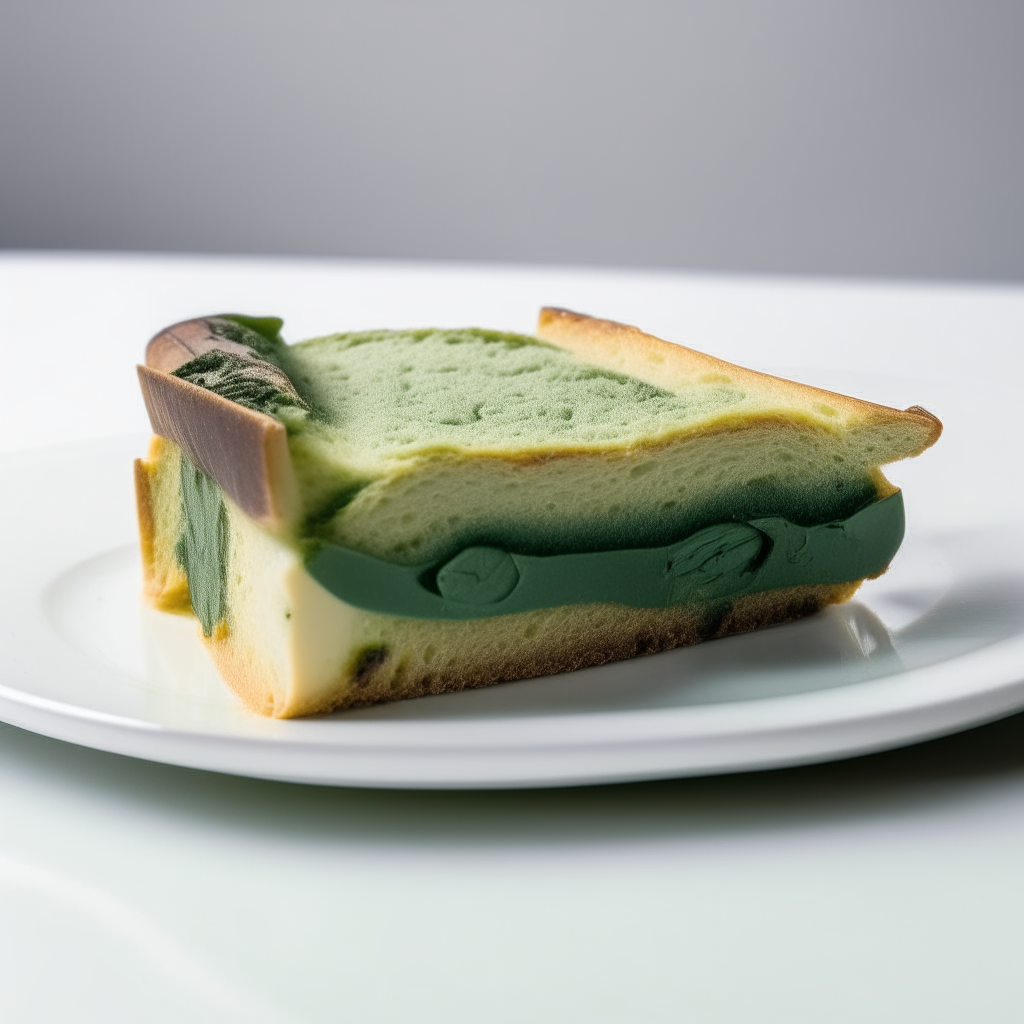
(398, 393)
(380, 395)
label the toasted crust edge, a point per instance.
(627, 349)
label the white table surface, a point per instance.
(886, 888)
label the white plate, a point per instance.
(935, 645)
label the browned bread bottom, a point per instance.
(589, 635)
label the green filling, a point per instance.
(203, 545)
(717, 563)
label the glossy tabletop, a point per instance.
(885, 888)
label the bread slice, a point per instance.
(373, 516)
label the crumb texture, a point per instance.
(412, 445)
(392, 393)
(419, 443)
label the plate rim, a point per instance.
(957, 700)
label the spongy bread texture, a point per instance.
(290, 648)
(426, 441)
(415, 444)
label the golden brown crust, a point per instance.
(665, 364)
(147, 525)
(919, 412)
(244, 672)
(164, 585)
(246, 452)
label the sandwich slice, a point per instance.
(372, 516)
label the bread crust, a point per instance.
(627, 349)
(147, 530)
(164, 585)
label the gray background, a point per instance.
(876, 137)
